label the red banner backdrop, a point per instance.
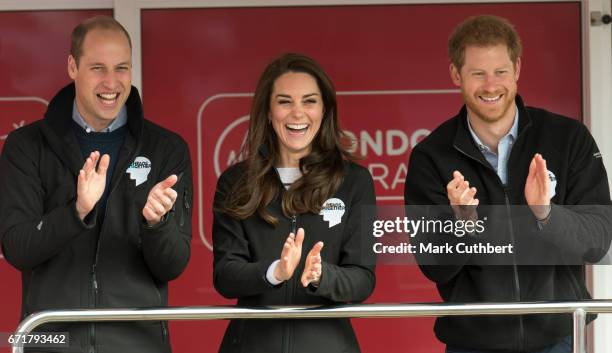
(390, 66)
(200, 66)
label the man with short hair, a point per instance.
(497, 151)
(95, 200)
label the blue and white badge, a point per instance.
(553, 185)
(139, 169)
(332, 211)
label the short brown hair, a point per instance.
(99, 22)
(483, 31)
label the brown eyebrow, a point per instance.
(102, 64)
(288, 96)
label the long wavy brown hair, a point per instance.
(322, 170)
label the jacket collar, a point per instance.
(463, 140)
(59, 112)
(58, 131)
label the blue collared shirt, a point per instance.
(119, 121)
(499, 161)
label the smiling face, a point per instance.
(296, 112)
(488, 82)
(102, 77)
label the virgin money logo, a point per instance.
(228, 148)
(222, 128)
(16, 125)
(16, 112)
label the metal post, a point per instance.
(579, 331)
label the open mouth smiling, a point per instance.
(297, 128)
(491, 100)
(108, 98)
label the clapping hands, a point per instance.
(290, 258)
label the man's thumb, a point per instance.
(168, 182)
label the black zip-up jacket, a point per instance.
(70, 264)
(572, 155)
(244, 249)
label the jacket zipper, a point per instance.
(94, 281)
(164, 329)
(291, 283)
(287, 339)
(517, 287)
(92, 327)
(294, 225)
(94, 304)
(186, 207)
(517, 284)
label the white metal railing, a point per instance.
(579, 309)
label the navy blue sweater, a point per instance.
(106, 143)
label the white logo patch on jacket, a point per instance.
(139, 169)
(553, 184)
(332, 211)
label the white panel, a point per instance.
(127, 13)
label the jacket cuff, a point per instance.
(268, 274)
(159, 227)
(324, 282)
(543, 222)
(89, 221)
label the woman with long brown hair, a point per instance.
(297, 191)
